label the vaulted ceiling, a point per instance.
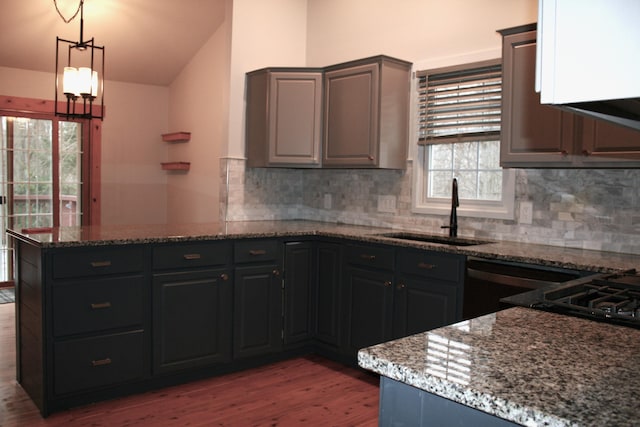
(146, 41)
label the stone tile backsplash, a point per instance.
(582, 208)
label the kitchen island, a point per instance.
(518, 365)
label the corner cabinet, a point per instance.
(544, 136)
(350, 115)
(366, 108)
(284, 113)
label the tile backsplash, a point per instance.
(582, 208)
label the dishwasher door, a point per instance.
(487, 281)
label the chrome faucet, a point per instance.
(453, 219)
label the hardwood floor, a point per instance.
(309, 391)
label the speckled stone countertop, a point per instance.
(510, 251)
(530, 367)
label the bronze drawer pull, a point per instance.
(96, 264)
(101, 362)
(256, 252)
(191, 256)
(99, 305)
(224, 276)
(368, 257)
(426, 266)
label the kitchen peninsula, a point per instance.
(107, 311)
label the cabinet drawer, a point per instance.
(69, 263)
(256, 251)
(191, 255)
(371, 256)
(431, 264)
(97, 305)
(98, 361)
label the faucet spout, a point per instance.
(453, 218)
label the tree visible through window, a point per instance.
(41, 165)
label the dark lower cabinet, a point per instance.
(257, 318)
(421, 305)
(191, 317)
(139, 316)
(98, 361)
(328, 324)
(368, 308)
(299, 285)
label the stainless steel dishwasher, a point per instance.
(487, 281)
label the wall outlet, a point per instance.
(526, 213)
(387, 204)
(327, 202)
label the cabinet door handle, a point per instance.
(97, 264)
(367, 257)
(101, 362)
(426, 266)
(586, 153)
(191, 256)
(370, 157)
(224, 276)
(401, 286)
(276, 272)
(256, 252)
(564, 153)
(387, 283)
(100, 305)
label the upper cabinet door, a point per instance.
(531, 133)
(608, 144)
(366, 107)
(284, 114)
(351, 127)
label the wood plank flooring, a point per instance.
(305, 391)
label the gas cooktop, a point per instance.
(613, 298)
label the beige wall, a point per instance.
(414, 30)
(133, 186)
(199, 100)
(265, 33)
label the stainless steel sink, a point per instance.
(429, 238)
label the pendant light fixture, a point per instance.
(79, 74)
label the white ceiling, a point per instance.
(146, 41)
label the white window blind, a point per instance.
(458, 105)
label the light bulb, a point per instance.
(84, 81)
(70, 81)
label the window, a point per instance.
(459, 137)
(46, 178)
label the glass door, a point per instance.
(40, 178)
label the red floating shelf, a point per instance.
(176, 137)
(176, 166)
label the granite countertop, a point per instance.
(527, 366)
(554, 256)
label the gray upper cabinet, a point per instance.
(531, 132)
(284, 113)
(350, 115)
(366, 107)
(543, 136)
